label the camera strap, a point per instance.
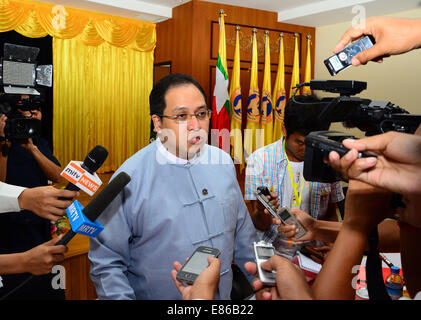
(374, 273)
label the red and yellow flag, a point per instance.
(220, 121)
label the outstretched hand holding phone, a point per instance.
(392, 36)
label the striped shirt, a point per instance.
(267, 166)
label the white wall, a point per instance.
(397, 79)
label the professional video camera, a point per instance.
(372, 117)
(20, 75)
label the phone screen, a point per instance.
(285, 215)
(197, 263)
(265, 253)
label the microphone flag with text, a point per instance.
(83, 220)
(82, 176)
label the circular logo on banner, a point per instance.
(266, 108)
(236, 105)
(279, 106)
(253, 106)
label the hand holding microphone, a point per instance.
(40, 259)
(47, 202)
(92, 211)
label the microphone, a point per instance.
(73, 172)
(83, 220)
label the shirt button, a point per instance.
(205, 192)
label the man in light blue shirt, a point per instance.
(183, 194)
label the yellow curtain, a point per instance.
(103, 73)
(100, 97)
(35, 19)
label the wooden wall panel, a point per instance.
(190, 41)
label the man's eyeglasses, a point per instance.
(184, 117)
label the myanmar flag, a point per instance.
(220, 105)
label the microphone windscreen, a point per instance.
(106, 196)
(95, 159)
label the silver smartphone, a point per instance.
(343, 59)
(196, 263)
(262, 252)
(288, 218)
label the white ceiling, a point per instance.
(313, 13)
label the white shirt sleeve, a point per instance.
(9, 197)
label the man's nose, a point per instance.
(193, 123)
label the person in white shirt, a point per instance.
(44, 201)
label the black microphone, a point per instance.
(92, 163)
(100, 202)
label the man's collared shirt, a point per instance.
(170, 207)
(267, 166)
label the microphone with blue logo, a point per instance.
(83, 220)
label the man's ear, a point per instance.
(157, 126)
(284, 130)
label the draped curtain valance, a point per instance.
(34, 19)
(103, 74)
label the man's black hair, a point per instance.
(301, 115)
(157, 96)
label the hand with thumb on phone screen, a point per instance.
(205, 285)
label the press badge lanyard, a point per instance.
(294, 186)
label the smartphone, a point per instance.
(288, 218)
(343, 58)
(197, 262)
(262, 252)
(261, 194)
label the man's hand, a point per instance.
(290, 280)
(41, 259)
(27, 144)
(396, 168)
(262, 218)
(3, 119)
(392, 36)
(205, 284)
(44, 201)
(307, 221)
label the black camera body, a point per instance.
(318, 146)
(371, 117)
(18, 126)
(20, 76)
